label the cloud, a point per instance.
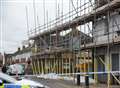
(13, 14)
(13, 25)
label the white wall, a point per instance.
(99, 33)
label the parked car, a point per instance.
(16, 69)
(7, 81)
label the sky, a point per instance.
(13, 23)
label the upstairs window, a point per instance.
(118, 32)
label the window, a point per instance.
(106, 27)
(118, 32)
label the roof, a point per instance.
(25, 50)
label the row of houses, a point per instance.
(22, 55)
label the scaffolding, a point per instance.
(70, 43)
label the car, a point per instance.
(7, 81)
(15, 69)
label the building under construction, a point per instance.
(86, 40)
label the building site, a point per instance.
(78, 49)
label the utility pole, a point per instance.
(34, 7)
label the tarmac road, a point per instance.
(53, 83)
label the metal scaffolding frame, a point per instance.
(60, 56)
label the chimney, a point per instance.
(18, 48)
(23, 47)
(29, 45)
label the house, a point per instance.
(22, 55)
(57, 52)
(75, 38)
(8, 58)
(107, 39)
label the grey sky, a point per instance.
(13, 20)
(13, 29)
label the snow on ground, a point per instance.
(56, 76)
(82, 80)
(49, 76)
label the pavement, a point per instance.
(54, 83)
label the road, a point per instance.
(53, 83)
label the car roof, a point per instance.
(7, 78)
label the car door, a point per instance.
(11, 86)
(6, 84)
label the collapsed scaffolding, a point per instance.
(68, 45)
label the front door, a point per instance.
(115, 66)
(115, 62)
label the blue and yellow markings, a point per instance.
(14, 86)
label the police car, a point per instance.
(7, 81)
